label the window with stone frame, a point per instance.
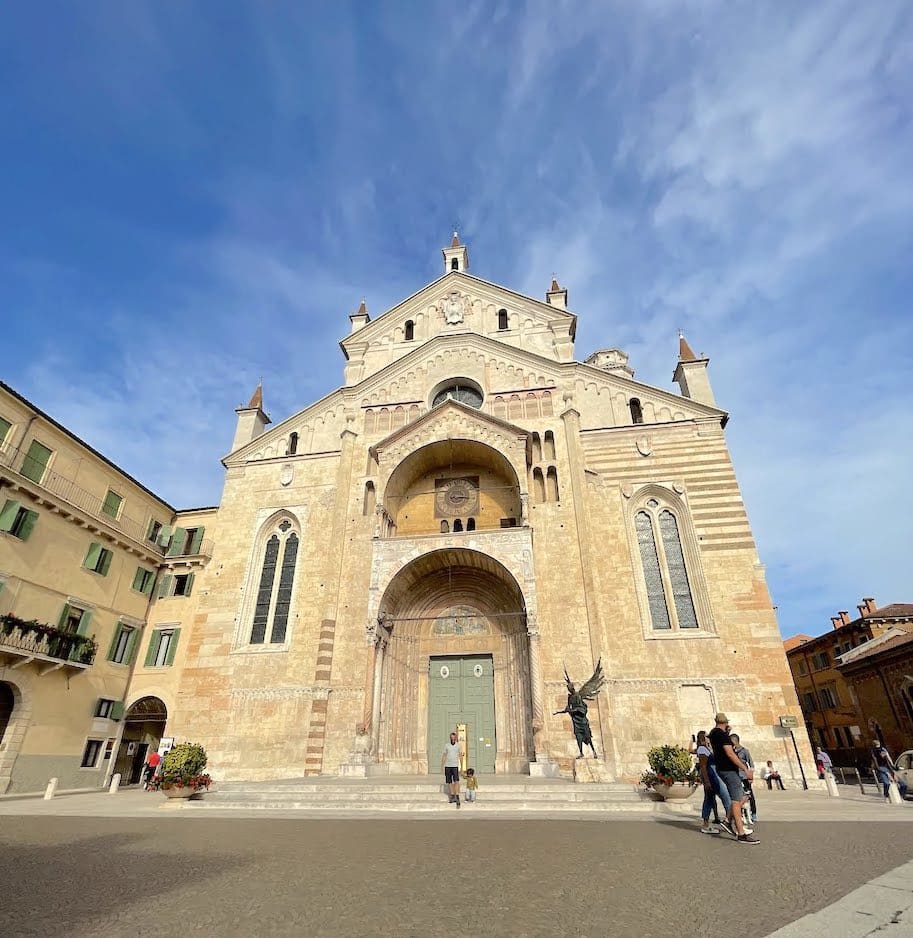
(668, 582)
(278, 557)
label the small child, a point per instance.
(472, 785)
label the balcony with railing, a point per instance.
(66, 490)
(24, 642)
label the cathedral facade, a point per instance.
(429, 547)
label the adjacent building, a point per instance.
(83, 549)
(831, 705)
(428, 547)
(880, 678)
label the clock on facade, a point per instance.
(456, 497)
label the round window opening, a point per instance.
(462, 392)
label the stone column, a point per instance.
(537, 694)
(379, 652)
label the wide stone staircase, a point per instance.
(425, 795)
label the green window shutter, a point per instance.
(35, 461)
(8, 515)
(196, 542)
(138, 579)
(114, 642)
(177, 542)
(91, 560)
(173, 647)
(147, 585)
(165, 586)
(132, 644)
(105, 561)
(28, 525)
(117, 711)
(4, 429)
(111, 504)
(84, 623)
(189, 584)
(62, 621)
(155, 637)
(164, 535)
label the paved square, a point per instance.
(651, 877)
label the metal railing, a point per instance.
(67, 490)
(36, 638)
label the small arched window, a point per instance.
(551, 479)
(454, 263)
(292, 444)
(457, 525)
(549, 445)
(537, 447)
(637, 413)
(471, 524)
(538, 486)
(445, 527)
(503, 323)
(409, 330)
(274, 590)
(370, 499)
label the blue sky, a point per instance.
(197, 194)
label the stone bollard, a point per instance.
(831, 784)
(894, 794)
(115, 784)
(51, 790)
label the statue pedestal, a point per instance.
(591, 771)
(543, 767)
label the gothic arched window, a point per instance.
(637, 412)
(409, 330)
(276, 579)
(665, 573)
(454, 263)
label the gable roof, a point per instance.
(376, 326)
(439, 411)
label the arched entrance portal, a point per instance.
(144, 727)
(457, 655)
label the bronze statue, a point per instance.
(577, 708)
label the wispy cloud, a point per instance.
(196, 202)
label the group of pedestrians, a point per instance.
(727, 773)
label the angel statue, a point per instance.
(576, 707)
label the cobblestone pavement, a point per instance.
(272, 876)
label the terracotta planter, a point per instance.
(678, 791)
(185, 792)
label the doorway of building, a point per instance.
(144, 727)
(462, 699)
(7, 703)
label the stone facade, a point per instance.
(550, 462)
(471, 490)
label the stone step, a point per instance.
(355, 798)
(424, 807)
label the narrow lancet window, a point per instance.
(656, 592)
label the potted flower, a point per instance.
(672, 775)
(182, 773)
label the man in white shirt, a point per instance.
(770, 775)
(450, 763)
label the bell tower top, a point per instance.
(456, 257)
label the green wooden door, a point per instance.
(462, 692)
